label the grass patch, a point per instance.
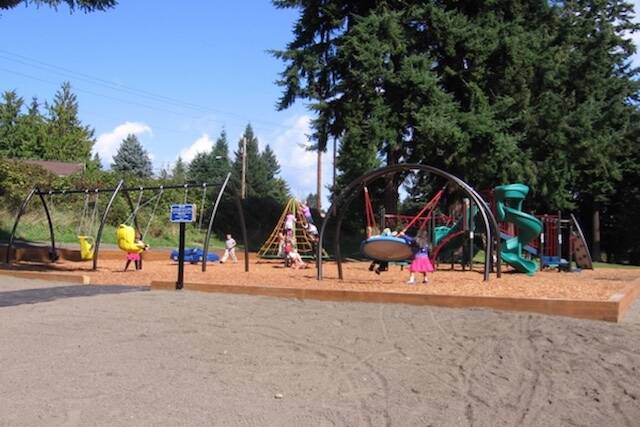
(34, 228)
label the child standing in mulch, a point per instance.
(421, 262)
(229, 250)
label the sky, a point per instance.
(175, 76)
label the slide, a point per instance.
(447, 240)
(509, 209)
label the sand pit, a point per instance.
(88, 355)
(588, 285)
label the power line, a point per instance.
(124, 101)
(35, 63)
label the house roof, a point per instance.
(57, 168)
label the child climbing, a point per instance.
(421, 262)
(289, 224)
(296, 260)
(306, 211)
(229, 250)
(314, 237)
(281, 242)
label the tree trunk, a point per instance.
(319, 181)
(391, 184)
(595, 241)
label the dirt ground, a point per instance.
(117, 355)
(598, 284)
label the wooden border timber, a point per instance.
(50, 277)
(610, 311)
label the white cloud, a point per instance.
(297, 164)
(107, 143)
(201, 145)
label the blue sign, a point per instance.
(183, 213)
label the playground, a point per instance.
(273, 278)
(468, 237)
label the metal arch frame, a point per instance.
(21, 211)
(96, 249)
(243, 226)
(345, 198)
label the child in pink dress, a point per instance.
(421, 262)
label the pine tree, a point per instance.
(492, 91)
(255, 172)
(262, 170)
(276, 187)
(132, 158)
(83, 5)
(68, 139)
(179, 170)
(212, 166)
(95, 164)
(32, 132)
(10, 107)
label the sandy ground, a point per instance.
(98, 355)
(597, 285)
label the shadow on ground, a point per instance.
(34, 296)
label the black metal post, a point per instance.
(133, 212)
(21, 210)
(559, 240)
(205, 246)
(53, 254)
(570, 247)
(245, 239)
(180, 281)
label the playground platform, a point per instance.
(602, 294)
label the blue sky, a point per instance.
(175, 76)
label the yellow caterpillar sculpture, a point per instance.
(126, 237)
(86, 247)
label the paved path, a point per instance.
(96, 355)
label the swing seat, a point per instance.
(86, 247)
(386, 248)
(126, 237)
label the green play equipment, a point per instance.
(509, 200)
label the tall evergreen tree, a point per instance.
(68, 139)
(492, 91)
(254, 166)
(277, 188)
(32, 132)
(179, 170)
(262, 169)
(212, 166)
(10, 107)
(83, 5)
(132, 158)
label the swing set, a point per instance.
(129, 229)
(386, 247)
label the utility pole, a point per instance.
(319, 181)
(243, 183)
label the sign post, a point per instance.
(182, 214)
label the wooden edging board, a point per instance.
(610, 311)
(51, 277)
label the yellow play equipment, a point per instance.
(86, 226)
(126, 236)
(86, 247)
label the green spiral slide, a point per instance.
(509, 209)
